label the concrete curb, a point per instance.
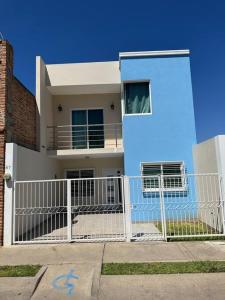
(37, 278)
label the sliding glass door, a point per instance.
(88, 129)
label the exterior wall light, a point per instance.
(60, 108)
(7, 176)
(112, 106)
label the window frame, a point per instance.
(80, 178)
(86, 109)
(170, 189)
(123, 92)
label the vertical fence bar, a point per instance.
(14, 213)
(127, 202)
(162, 207)
(69, 214)
(221, 189)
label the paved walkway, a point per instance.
(86, 259)
(111, 252)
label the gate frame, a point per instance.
(127, 210)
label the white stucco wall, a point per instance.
(101, 101)
(205, 157)
(33, 165)
(98, 164)
(209, 157)
(92, 73)
(44, 102)
(24, 164)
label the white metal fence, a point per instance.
(177, 207)
(118, 208)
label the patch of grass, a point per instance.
(19, 271)
(196, 227)
(163, 268)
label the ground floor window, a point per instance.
(173, 176)
(81, 188)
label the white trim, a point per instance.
(123, 97)
(154, 53)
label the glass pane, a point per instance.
(95, 131)
(151, 170)
(137, 98)
(172, 180)
(87, 185)
(74, 183)
(79, 133)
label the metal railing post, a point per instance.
(69, 215)
(116, 135)
(221, 188)
(127, 203)
(162, 206)
(14, 213)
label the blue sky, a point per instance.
(76, 31)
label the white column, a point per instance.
(10, 168)
(127, 208)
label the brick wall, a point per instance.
(24, 112)
(18, 115)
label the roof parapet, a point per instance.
(154, 53)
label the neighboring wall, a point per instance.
(206, 157)
(209, 158)
(6, 76)
(24, 116)
(168, 134)
(18, 115)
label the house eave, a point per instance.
(154, 53)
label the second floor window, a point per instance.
(137, 98)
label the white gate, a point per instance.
(68, 210)
(118, 208)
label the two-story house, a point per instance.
(115, 158)
(133, 116)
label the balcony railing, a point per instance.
(92, 136)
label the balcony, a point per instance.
(96, 140)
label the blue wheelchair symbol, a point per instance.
(61, 282)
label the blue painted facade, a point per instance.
(167, 134)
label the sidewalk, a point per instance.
(86, 259)
(111, 252)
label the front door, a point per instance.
(113, 185)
